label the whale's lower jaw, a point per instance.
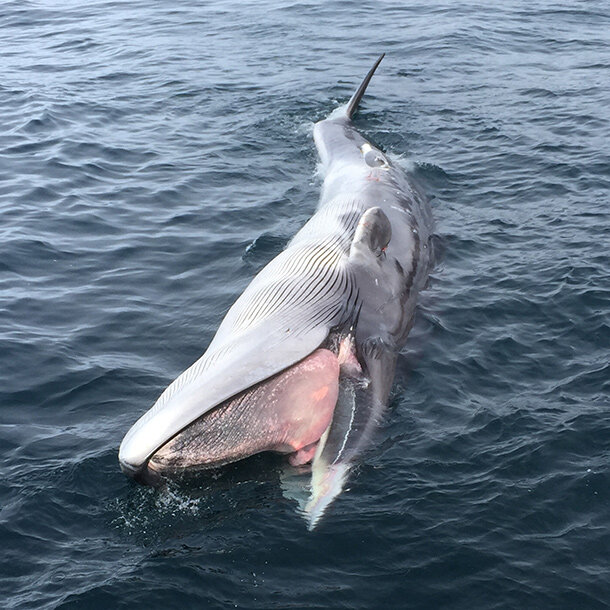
(287, 413)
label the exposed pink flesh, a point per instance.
(286, 413)
(304, 455)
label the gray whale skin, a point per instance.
(304, 361)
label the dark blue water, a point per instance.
(154, 156)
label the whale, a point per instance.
(304, 361)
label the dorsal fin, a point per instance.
(352, 105)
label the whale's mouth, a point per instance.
(287, 413)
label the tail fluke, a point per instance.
(352, 105)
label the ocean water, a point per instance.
(155, 155)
